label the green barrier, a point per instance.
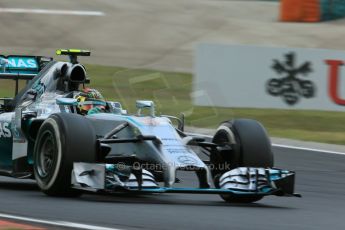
(332, 9)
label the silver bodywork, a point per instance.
(146, 140)
(171, 153)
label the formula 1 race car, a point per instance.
(46, 134)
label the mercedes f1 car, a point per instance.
(44, 136)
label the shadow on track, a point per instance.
(18, 186)
(170, 199)
(147, 199)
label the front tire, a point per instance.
(62, 140)
(251, 147)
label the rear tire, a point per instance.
(62, 139)
(251, 147)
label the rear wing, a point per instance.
(21, 67)
(73, 54)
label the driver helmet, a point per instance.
(89, 99)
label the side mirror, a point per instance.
(67, 101)
(116, 107)
(67, 104)
(145, 104)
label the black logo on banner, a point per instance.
(289, 87)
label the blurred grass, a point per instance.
(7, 87)
(172, 95)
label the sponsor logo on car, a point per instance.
(19, 62)
(5, 130)
(187, 160)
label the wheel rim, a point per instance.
(221, 138)
(46, 157)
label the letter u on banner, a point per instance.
(333, 80)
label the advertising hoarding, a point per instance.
(269, 77)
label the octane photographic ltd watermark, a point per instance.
(163, 167)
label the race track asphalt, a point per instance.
(320, 179)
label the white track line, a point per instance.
(56, 223)
(308, 149)
(56, 12)
(284, 146)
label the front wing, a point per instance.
(239, 182)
